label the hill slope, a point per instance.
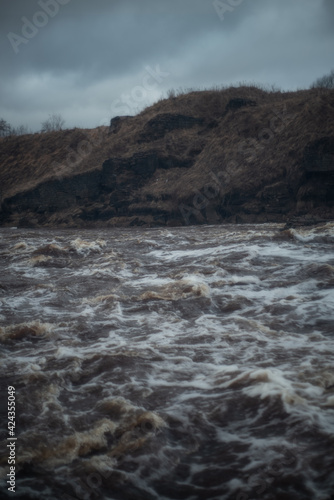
(235, 155)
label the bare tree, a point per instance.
(5, 128)
(21, 130)
(326, 81)
(54, 122)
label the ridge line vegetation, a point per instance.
(55, 122)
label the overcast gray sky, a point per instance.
(90, 60)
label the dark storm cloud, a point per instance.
(109, 35)
(89, 60)
(328, 8)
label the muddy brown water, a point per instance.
(188, 363)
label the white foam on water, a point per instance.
(225, 332)
(85, 247)
(174, 255)
(314, 233)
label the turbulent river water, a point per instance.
(188, 363)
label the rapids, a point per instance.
(182, 363)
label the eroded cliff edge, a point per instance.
(235, 155)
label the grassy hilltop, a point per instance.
(234, 155)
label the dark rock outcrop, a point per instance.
(57, 194)
(160, 125)
(319, 155)
(318, 162)
(238, 103)
(190, 159)
(116, 123)
(86, 191)
(142, 165)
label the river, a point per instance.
(169, 363)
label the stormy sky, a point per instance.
(90, 60)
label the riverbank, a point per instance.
(238, 155)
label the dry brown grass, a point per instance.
(26, 161)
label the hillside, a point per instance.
(234, 155)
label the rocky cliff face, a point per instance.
(238, 155)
